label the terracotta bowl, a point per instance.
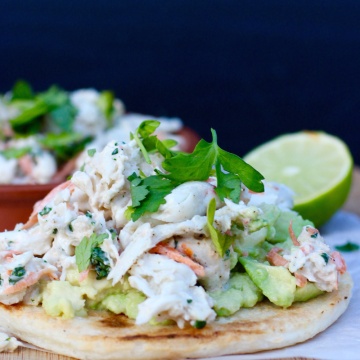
(17, 201)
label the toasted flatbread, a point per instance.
(103, 336)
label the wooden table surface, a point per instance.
(352, 204)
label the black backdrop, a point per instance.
(250, 69)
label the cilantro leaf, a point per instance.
(84, 249)
(198, 166)
(65, 145)
(106, 104)
(33, 110)
(21, 90)
(147, 127)
(64, 116)
(221, 241)
(228, 185)
(138, 191)
(149, 194)
(15, 153)
(148, 142)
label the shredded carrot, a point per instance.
(292, 235)
(178, 257)
(31, 279)
(275, 258)
(300, 280)
(187, 250)
(40, 204)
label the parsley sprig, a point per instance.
(231, 170)
(148, 193)
(148, 142)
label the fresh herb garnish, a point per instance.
(116, 151)
(148, 194)
(326, 257)
(54, 101)
(230, 169)
(45, 211)
(106, 104)
(199, 324)
(101, 262)
(220, 240)
(15, 153)
(17, 274)
(84, 250)
(149, 143)
(348, 247)
(113, 234)
(91, 152)
(21, 91)
(64, 145)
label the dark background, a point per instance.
(250, 69)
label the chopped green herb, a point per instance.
(189, 301)
(88, 214)
(326, 257)
(91, 152)
(113, 233)
(116, 151)
(101, 262)
(199, 324)
(84, 250)
(15, 153)
(17, 274)
(71, 227)
(348, 247)
(45, 211)
(55, 231)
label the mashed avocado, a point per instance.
(241, 292)
(73, 297)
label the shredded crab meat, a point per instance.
(310, 259)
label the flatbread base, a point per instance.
(104, 336)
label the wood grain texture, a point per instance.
(352, 204)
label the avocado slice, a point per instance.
(275, 282)
(307, 292)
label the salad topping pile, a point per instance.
(164, 237)
(40, 132)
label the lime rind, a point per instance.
(316, 165)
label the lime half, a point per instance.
(315, 165)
